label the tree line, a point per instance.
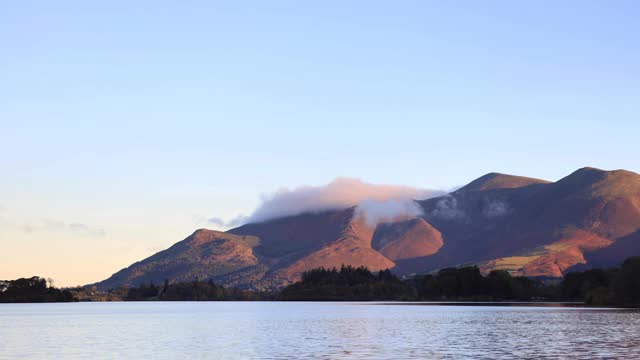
(598, 287)
(615, 286)
(33, 289)
(196, 290)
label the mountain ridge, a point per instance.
(528, 226)
(495, 180)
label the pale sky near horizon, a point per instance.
(121, 124)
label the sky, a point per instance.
(124, 124)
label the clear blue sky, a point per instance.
(134, 118)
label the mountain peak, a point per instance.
(603, 183)
(496, 180)
(595, 172)
(206, 233)
(590, 169)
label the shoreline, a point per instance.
(529, 304)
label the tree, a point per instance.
(626, 286)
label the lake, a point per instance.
(285, 330)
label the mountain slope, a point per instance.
(532, 227)
(537, 230)
(204, 254)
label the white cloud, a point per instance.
(220, 223)
(374, 201)
(376, 211)
(379, 200)
(60, 226)
(447, 208)
(495, 209)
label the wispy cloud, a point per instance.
(48, 225)
(447, 208)
(376, 211)
(220, 223)
(495, 209)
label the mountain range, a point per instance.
(530, 227)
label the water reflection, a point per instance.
(314, 330)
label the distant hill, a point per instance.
(527, 226)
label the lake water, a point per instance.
(272, 330)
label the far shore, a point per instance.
(530, 304)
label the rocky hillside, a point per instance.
(530, 227)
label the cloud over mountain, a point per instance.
(376, 200)
(220, 223)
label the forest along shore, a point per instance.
(452, 286)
